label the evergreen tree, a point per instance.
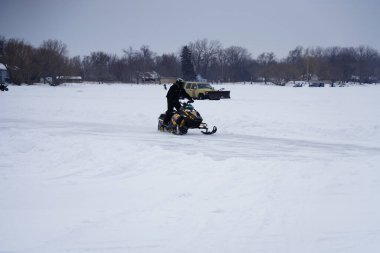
(188, 72)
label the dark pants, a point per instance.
(169, 113)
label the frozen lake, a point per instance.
(84, 169)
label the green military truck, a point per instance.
(202, 90)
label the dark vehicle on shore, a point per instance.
(317, 84)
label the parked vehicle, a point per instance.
(317, 84)
(3, 87)
(202, 90)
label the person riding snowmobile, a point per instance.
(176, 91)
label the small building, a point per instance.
(152, 76)
(4, 76)
(167, 79)
(48, 80)
(67, 79)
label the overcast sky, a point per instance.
(166, 25)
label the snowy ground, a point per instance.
(84, 169)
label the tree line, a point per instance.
(201, 58)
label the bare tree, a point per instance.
(100, 63)
(204, 53)
(27, 64)
(134, 64)
(236, 59)
(51, 59)
(74, 66)
(266, 62)
(17, 56)
(296, 63)
(168, 65)
(147, 59)
(366, 59)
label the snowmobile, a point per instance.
(183, 120)
(3, 87)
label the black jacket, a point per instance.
(176, 92)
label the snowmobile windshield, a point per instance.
(204, 86)
(188, 106)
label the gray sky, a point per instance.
(165, 25)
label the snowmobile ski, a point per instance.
(214, 129)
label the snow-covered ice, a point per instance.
(84, 169)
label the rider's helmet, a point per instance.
(180, 81)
